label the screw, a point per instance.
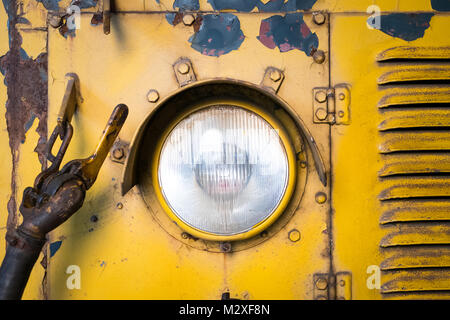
(225, 247)
(321, 114)
(321, 197)
(321, 284)
(294, 235)
(183, 68)
(275, 75)
(118, 153)
(119, 205)
(321, 96)
(188, 19)
(319, 18)
(94, 218)
(319, 56)
(153, 96)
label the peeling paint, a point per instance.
(440, 5)
(54, 246)
(218, 34)
(288, 33)
(186, 5)
(263, 6)
(406, 26)
(53, 5)
(27, 98)
(50, 4)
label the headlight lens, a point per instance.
(223, 170)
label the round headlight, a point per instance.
(223, 170)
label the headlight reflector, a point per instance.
(223, 170)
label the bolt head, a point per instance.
(275, 75)
(321, 283)
(319, 57)
(321, 114)
(153, 96)
(118, 153)
(188, 19)
(319, 18)
(321, 96)
(183, 68)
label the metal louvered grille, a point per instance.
(415, 172)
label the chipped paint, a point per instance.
(54, 246)
(406, 26)
(50, 4)
(218, 34)
(26, 82)
(263, 6)
(186, 5)
(440, 5)
(288, 33)
(53, 5)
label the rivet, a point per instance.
(119, 205)
(94, 218)
(275, 75)
(342, 283)
(188, 19)
(321, 96)
(225, 247)
(321, 197)
(153, 96)
(303, 164)
(319, 18)
(321, 284)
(185, 235)
(294, 235)
(341, 96)
(118, 153)
(183, 68)
(341, 114)
(321, 114)
(319, 56)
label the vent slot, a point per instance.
(414, 174)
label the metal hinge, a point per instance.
(332, 105)
(333, 287)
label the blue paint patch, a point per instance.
(170, 17)
(54, 246)
(84, 4)
(102, 264)
(406, 26)
(238, 5)
(288, 33)
(30, 122)
(186, 5)
(218, 34)
(440, 5)
(50, 4)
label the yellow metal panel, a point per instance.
(126, 253)
(419, 210)
(425, 72)
(415, 119)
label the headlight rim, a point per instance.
(291, 159)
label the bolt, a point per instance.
(153, 96)
(183, 68)
(94, 218)
(118, 153)
(225, 247)
(188, 19)
(321, 96)
(294, 235)
(321, 197)
(119, 205)
(321, 114)
(275, 75)
(319, 18)
(54, 20)
(341, 114)
(321, 284)
(319, 56)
